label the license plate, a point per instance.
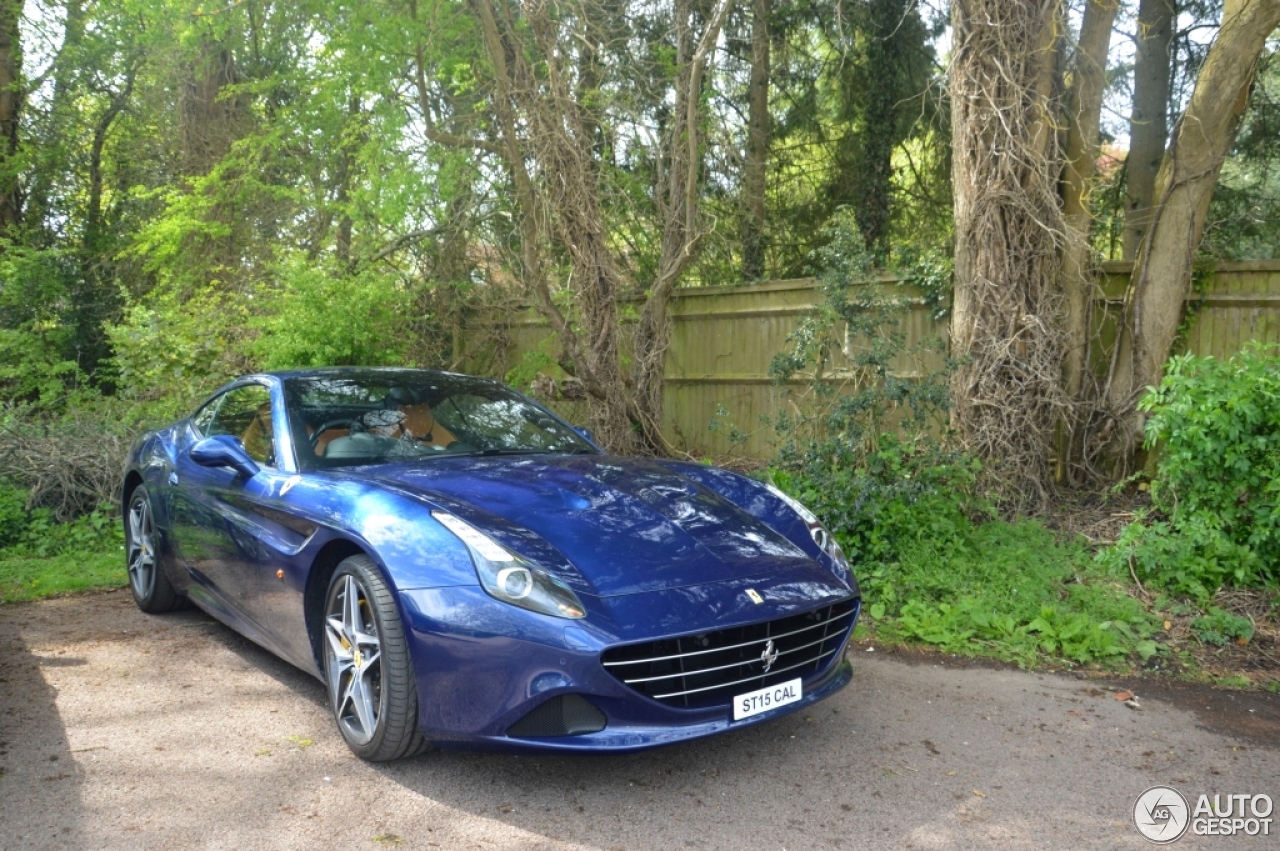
(762, 700)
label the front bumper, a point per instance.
(481, 666)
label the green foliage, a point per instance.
(13, 513)
(860, 444)
(35, 340)
(1216, 491)
(1011, 591)
(864, 380)
(33, 578)
(865, 453)
(40, 557)
(900, 494)
(165, 345)
(42, 536)
(318, 316)
(1244, 215)
(1222, 628)
(529, 367)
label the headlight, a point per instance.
(824, 539)
(511, 579)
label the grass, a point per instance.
(1021, 593)
(28, 577)
(1012, 591)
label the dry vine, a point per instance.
(1007, 319)
(71, 465)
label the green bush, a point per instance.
(877, 504)
(1215, 516)
(867, 454)
(860, 443)
(44, 536)
(1009, 590)
(1222, 628)
(13, 513)
(321, 315)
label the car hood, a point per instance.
(623, 525)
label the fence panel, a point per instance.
(723, 339)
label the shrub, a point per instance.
(13, 513)
(45, 536)
(1216, 491)
(1221, 628)
(319, 315)
(861, 443)
(1010, 590)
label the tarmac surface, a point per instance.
(123, 730)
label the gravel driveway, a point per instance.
(120, 730)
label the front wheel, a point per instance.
(372, 689)
(152, 590)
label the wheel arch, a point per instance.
(322, 569)
(131, 482)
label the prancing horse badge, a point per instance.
(755, 596)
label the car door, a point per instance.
(214, 521)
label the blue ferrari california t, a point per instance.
(459, 565)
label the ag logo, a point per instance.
(1161, 814)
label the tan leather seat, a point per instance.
(422, 424)
(257, 438)
(418, 422)
(330, 434)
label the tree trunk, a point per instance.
(94, 296)
(753, 179)
(10, 112)
(1084, 110)
(887, 63)
(1161, 279)
(60, 115)
(681, 230)
(1149, 125)
(1006, 394)
(210, 122)
(559, 143)
(543, 124)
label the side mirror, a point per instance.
(223, 450)
(586, 432)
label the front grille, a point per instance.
(708, 669)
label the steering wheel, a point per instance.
(352, 425)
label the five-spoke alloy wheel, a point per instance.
(151, 588)
(366, 659)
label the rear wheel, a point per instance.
(152, 590)
(372, 688)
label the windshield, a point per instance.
(346, 419)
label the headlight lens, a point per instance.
(510, 578)
(824, 539)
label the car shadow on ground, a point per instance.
(40, 778)
(774, 779)
(599, 800)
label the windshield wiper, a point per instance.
(507, 451)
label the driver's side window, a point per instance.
(245, 412)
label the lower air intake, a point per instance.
(566, 715)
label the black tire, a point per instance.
(152, 590)
(372, 689)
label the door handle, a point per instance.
(173, 478)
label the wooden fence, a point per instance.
(718, 388)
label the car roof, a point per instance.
(356, 371)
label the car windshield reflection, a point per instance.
(357, 419)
